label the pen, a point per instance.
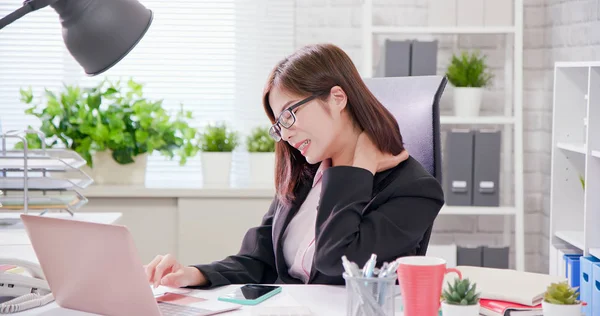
(347, 266)
(369, 266)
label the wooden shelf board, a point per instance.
(578, 148)
(573, 237)
(477, 120)
(477, 210)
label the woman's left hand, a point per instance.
(368, 156)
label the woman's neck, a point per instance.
(345, 144)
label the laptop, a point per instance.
(95, 268)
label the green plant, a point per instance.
(582, 180)
(462, 292)
(561, 293)
(111, 116)
(259, 141)
(218, 138)
(469, 70)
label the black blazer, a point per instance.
(359, 214)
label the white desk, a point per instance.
(322, 300)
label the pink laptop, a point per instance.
(95, 268)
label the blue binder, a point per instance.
(586, 281)
(572, 269)
(595, 308)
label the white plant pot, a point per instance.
(262, 170)
(107, 171)
(460, 310)
(467, 101)
(550, 309)
(216, 169)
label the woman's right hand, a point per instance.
(166, 270)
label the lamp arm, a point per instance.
(28, 6)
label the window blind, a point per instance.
(211, 56)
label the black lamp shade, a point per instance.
(99, 33)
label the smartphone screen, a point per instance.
(251, 291)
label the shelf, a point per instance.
(17, 164)
(578, 148)
(573, 237)
(442, 30)
(71, 201)
(477, 210)
(576, 64)
(42, 183)
(477, 120)
(596, 153)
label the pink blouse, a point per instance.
(299, 237)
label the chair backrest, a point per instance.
(415, 103)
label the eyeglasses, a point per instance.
(287, 118)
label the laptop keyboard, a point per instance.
(179, 310)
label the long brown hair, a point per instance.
(315, 69)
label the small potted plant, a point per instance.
(261, 149)
(561, 300)
(460, 299)
(469, 74)
(113, 127)
(217, 145)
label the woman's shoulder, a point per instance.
(410, 178)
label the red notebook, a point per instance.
(502, 308)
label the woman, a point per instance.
(345, 184)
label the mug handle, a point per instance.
(449, 270)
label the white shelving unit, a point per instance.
(575, 210)
(511, 120)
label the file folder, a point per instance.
(572, 269)
(486, 168)
(459, 170)
(495, 257)
(469, 256)
(586, 281)
(595, 308)
(423, 60)
(396, 58)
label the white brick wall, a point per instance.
(554, 30)
(566, 30)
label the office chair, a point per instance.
(415, 103)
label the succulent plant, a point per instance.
(561, 294)
(462, 292)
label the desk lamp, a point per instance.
(97, 33)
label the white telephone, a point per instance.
(28, 288)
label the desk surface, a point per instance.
(320, 299)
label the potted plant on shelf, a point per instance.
(561, 300)
(261, 149)
(460, 299)
(469, 74)
(113, 127)
(217, 145)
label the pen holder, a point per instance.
(370, 296)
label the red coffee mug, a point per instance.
(420, 280)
